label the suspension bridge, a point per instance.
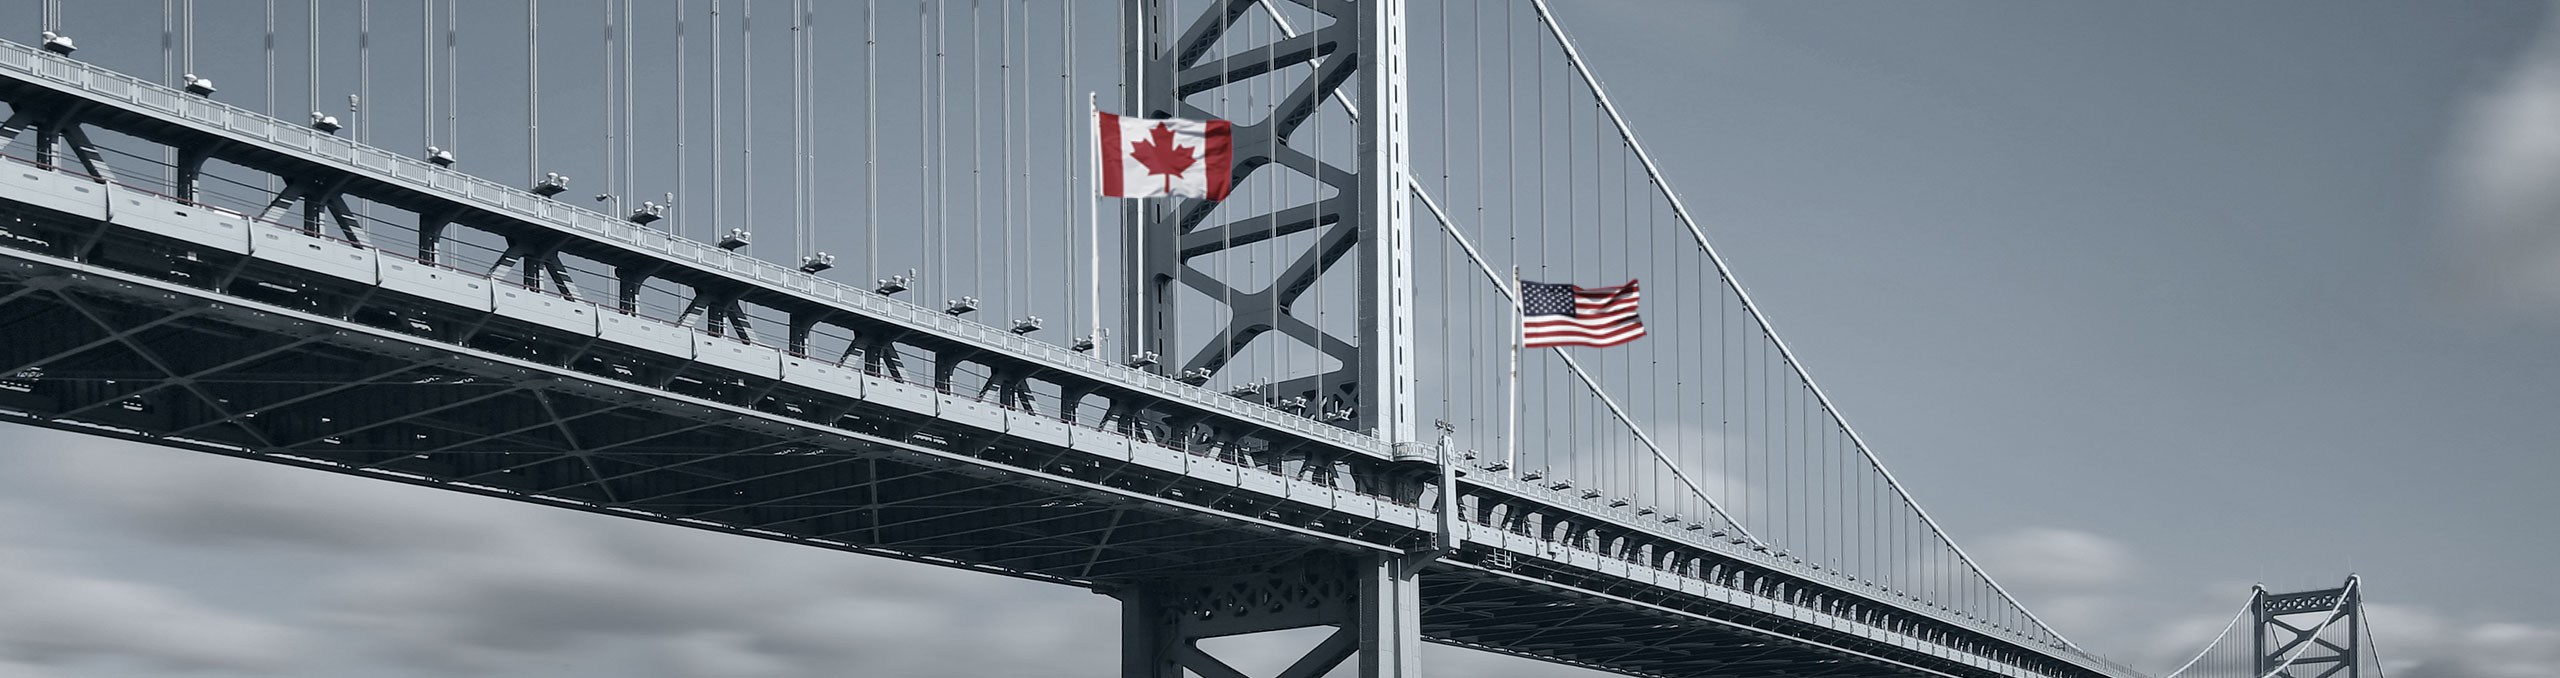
(921, 336)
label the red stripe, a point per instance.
(1595, 343)
(1110, 151)
(1582, 331)
(1220, 157)
(1602, 339)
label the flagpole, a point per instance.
(1511, 405)
(1093, 217)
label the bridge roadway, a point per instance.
(133, 315)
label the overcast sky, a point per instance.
(2146, 302)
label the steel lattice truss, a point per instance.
(1175, 235)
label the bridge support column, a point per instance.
(1373, 604)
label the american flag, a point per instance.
(1557, 314)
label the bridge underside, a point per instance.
(98, 356)
(121, 345)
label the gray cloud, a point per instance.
(2052, 557)
(2504, 157)
(2422, 643)
(54, 615)
(446, 583)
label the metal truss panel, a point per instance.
(63, 192)
(523, 304)
(1262, 481)
(309, 253)
(437, 283)
(970, 413)
(645, 334)
(1117, 448)
(899, 395)
(191, 224)
(1038, 429)
(826, 377)
(1158, 457)
(737, 356)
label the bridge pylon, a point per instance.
(2280, 639)
(1360, 210)
(1373, 603)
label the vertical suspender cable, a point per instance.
(1013, 301)
(1067, 165)
(169, 74)
(630, 165)
(684, 132)
(747, 112)
(168, 41)
(271, 58)
(1475, 42)
(1278, 369)
(426, 71)
(1511, 228)
(808, 118)
(612, 164)
(187, 28)
(311, 54)
(533, 88)
(977, 150)
(452, 96)
(270, 90)
(871, 134)
(941, 194)
(1447, 279)
(799, 136)
(925, 147)
(452, 78)
(1226, 293)
(719, 175)
(363, 103)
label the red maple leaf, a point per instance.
(1161, 156)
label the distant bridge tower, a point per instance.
(2279, 634)
(1359, 210)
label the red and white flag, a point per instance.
(1144, 158)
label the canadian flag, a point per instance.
(1144, 158)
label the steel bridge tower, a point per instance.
(2275, 636)
(1367, 216)
(1353, 47)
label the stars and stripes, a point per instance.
(1557, 314)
